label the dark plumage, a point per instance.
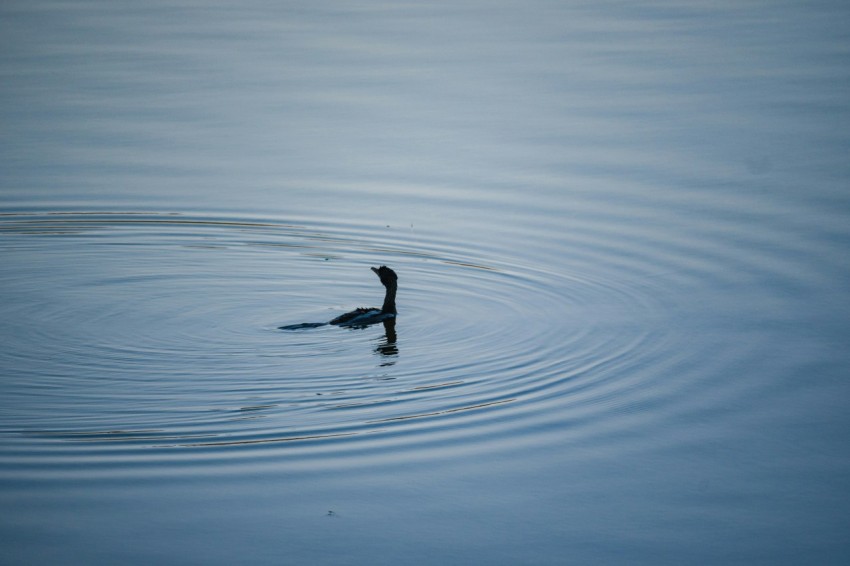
(365, 316)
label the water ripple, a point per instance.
(159, 332)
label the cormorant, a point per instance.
(364, 316)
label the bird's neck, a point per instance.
(389, 299)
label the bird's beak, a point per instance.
(375, 269)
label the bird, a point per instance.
(362, 317)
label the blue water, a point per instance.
(621, 236)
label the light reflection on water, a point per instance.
(621, 241)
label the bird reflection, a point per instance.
(388, 347)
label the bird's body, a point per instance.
(362, 317)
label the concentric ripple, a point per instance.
(160, 331)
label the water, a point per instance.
(620, 233)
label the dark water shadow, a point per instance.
(387, 347)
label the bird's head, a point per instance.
(386, 274)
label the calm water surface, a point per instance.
(621, 235)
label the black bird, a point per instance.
(361, 317)
(367, 316)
